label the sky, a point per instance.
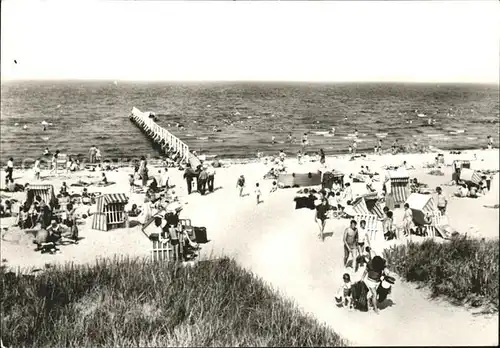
(357, 41)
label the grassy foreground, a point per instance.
(463, 269)
(133, 302)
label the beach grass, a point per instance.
(463, 269)
(131, 302)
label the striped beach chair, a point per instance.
(368, 204)
(373, 225)
(400, 185)
(437, 222)
(46, 192)
(110, 212)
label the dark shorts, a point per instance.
(361, 245)
(174, 242)
(442, 210)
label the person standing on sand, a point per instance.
(202, 180)
(241, 184)
(320, 215)
(37, 169)
(258, 193)
(189, 174)
(299, 157)
(379, 147)
(9, 170)
(354, 146)
(351, 242)
(407, 220)
(143, 171)
(92, 153)
(211, 177)
(442, 202)
(372, 276)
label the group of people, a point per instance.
(94, 155)
(472, 190)
(375, 268)
(204, 174)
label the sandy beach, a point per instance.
(280, 244)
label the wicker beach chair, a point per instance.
(373, 225)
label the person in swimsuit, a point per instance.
(240, 184)
(320, 215)
(351, 243)
(372, 276)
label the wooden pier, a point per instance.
(160, 136)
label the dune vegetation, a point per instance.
(134, 302)
(464, 269)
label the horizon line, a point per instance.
(201, 81)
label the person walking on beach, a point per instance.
(354, 146)
(189, 174)
(351, 244)
(211, 177)
(379, 147)
(241, 184)
(299, 157)
(258, 193)
(372, 275)
(202, 180)
(290, 138)
(92, 153)
(9, 170)
(54, 162)
(321, 211)
(37, 169)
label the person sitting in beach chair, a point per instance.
(369, 183)
(86, 199)
(134, 211)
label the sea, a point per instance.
(85, 113)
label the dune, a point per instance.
(280, 244)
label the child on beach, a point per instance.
(274, 187)
(344, 295)
(257, 193)
(299, 157)
(363, 238)
(241, 184)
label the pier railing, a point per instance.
(159, 134)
